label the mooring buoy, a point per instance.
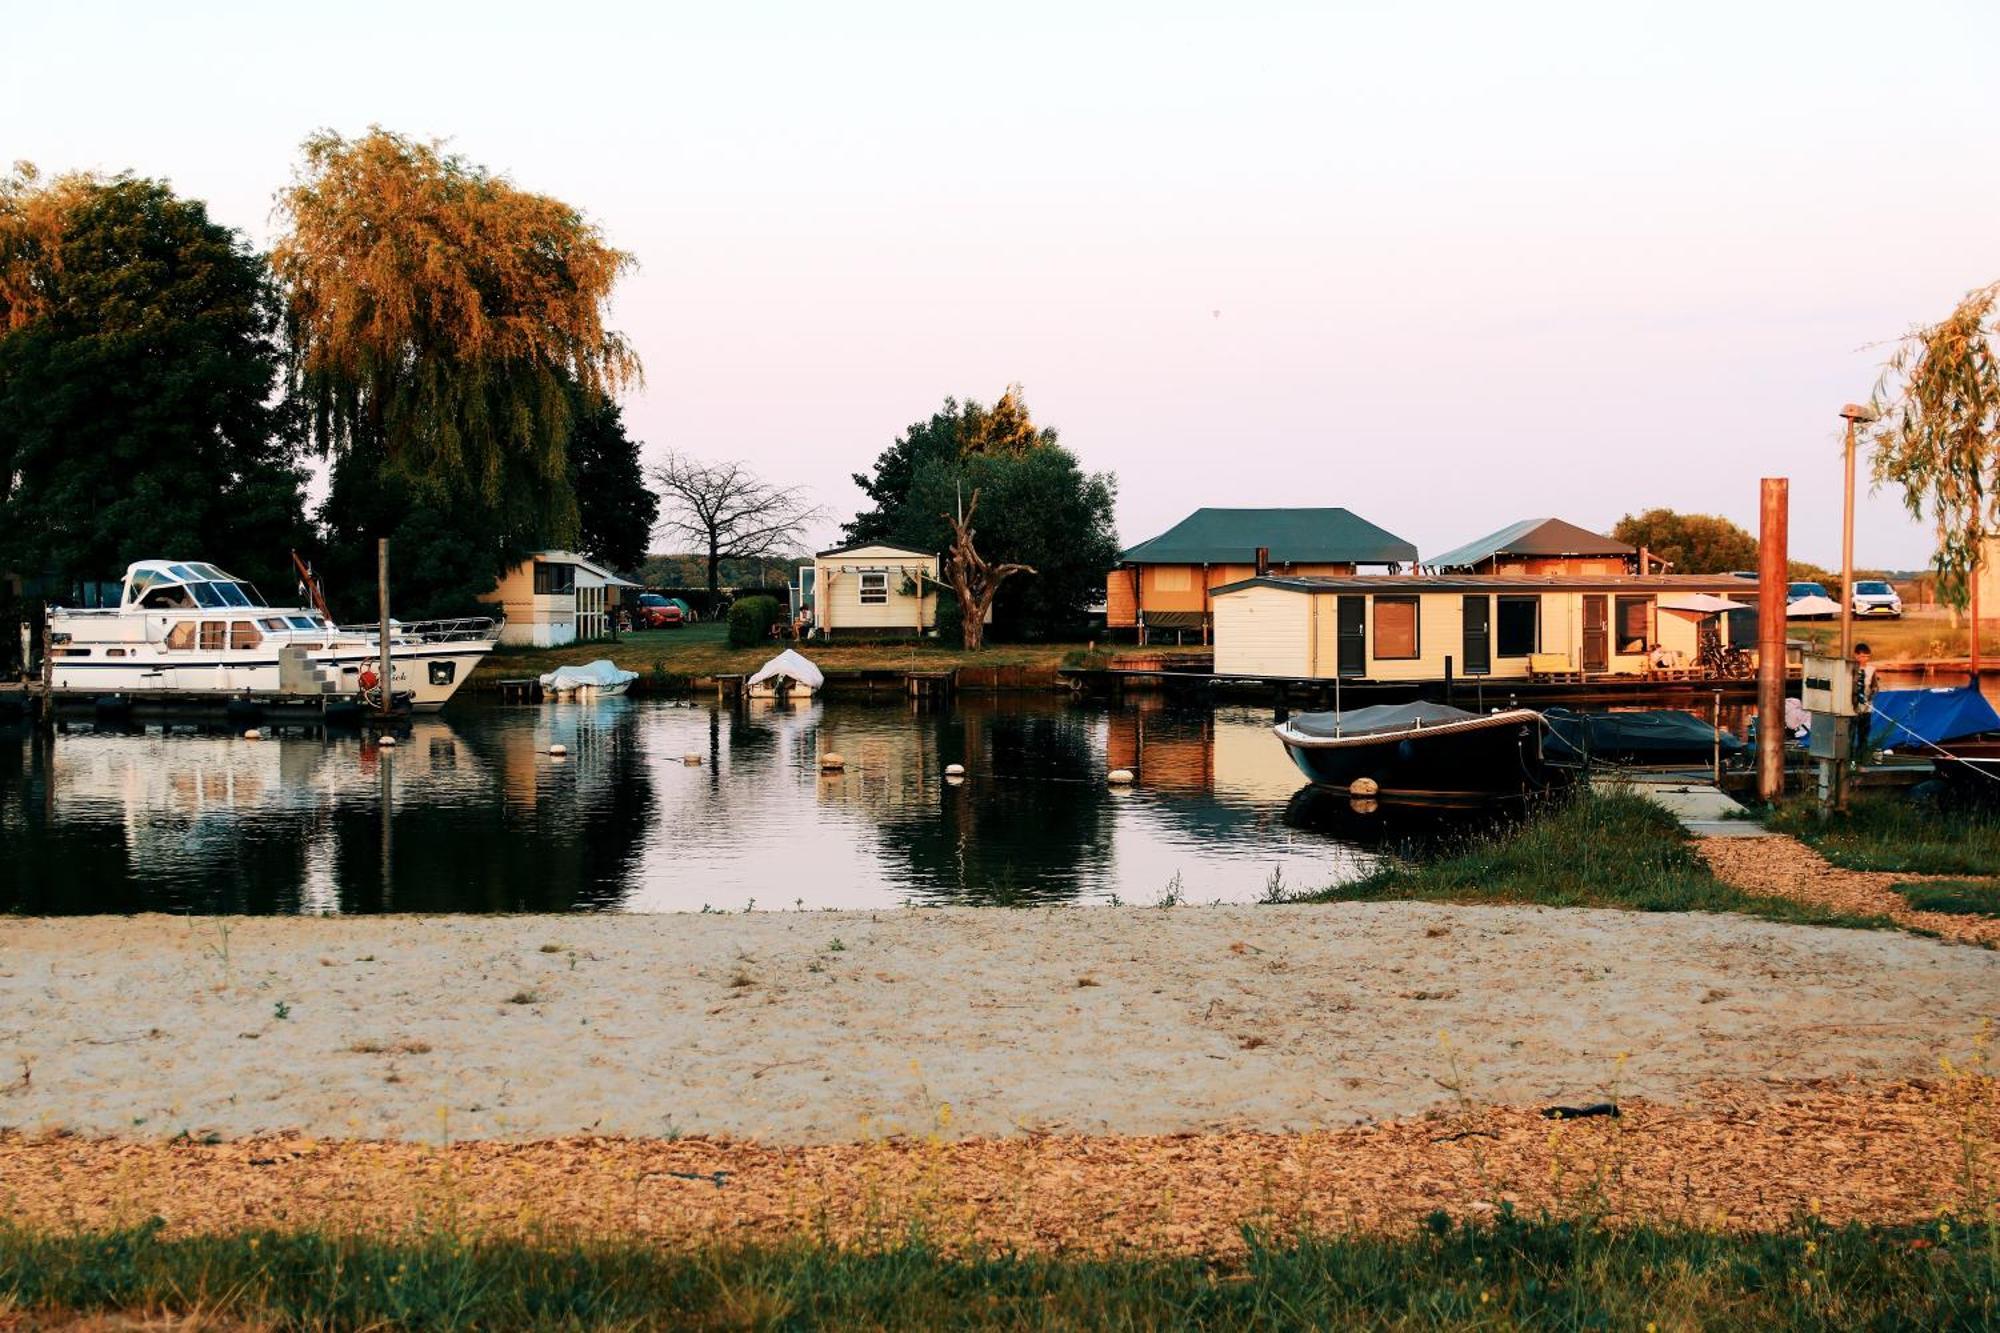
(1119, 777)
(1363, 787)
(954, 770)
(558, 750)
(386, 742)
(691, 760)
(253, 735)
(831, 763)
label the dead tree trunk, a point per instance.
(974, 580)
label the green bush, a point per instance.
(750, 621)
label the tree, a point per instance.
(728, 512)
(138, 355)
(615, 510)
(1691, 543)
(1040, 509)
(1939, 435)
(973, 578)
(442, 327)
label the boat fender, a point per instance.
(368, 678)
(1363, 787)
(954, 770)
(1119, 777)
(558, 750)
(831, 763)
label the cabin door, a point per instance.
(1596, 633)
(1351, 622)
(1478, 645)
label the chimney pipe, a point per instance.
(1263, 561)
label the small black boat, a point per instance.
(1423, 753)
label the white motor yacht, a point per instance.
(185, 628)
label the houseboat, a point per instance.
(186, 629)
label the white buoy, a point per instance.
(1119, 777)
(558, 750)
(387, 742)
(691, 760)
(1363, 787)
(253, 735)
(831, 763)
(954, 770)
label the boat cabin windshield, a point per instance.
(178, 587)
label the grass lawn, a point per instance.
(1959, 897)
(1919, 634)
(1600, 849)
(1890, 832)
(1505, 1274)
(703, 650)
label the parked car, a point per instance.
(657, 612)
(1874, 597)
(1798, 591)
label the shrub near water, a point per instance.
(750, 621)
(1601, 849)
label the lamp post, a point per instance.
(1853, 413)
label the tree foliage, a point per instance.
(1038, 507)
(1692, 543)
(440, 320)
(615, 510)
(138, 355)
(727, 512)
(1939, 434)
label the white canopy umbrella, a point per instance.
(1812, 608)
(1701, 603)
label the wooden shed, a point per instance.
(1405, 627)
(873, 589)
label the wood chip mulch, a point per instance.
(1783, 867)
(1740, 1156)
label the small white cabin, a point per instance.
(873, 589)
(1405, 627)
(557, 597)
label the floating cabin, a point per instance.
(873, 590)
(1164, 588)
(556, 597)
(1406, 627)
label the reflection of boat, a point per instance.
(1639, 736)
(789, 675)
(1954, 726)
(1424, 753)
(602, 678)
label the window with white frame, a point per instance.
(875, 588)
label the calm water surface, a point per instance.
(470, 814)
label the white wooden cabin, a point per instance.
(874, 589)
(1404, 627)
(557, 597)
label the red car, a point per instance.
(657, 612)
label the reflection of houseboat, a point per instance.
(184, 628)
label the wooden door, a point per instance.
(1351, 619)
(1596, 633)
(1477, 648)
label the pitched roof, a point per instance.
(1531, 536)
(1727, 584)
(1293, 536)
(851, 547)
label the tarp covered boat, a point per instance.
(790, 673)
(1640, 736)
(600, 677)
(1423, 752)
(1956, 727)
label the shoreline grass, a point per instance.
(1883, 832)
(1599, 849)
(1954, 897)
(1506, 1272)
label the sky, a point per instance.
(1447, 265)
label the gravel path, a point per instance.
(1781, 866)
(830, 1027)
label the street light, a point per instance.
(1853, 413)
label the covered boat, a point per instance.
(789, 675)
(1955, 726)
(1424, 753)
(1638, 736)
(601, 678)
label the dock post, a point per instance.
(1773, 516)
(382, 598)
(1447, 679)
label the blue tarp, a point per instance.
(1905, 719)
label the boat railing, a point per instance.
(466, 629)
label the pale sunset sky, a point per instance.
(1446, 264)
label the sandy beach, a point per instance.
(819, 1028)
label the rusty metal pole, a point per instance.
(382, 598)
(1773, 516)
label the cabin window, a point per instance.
(1520, 627)
(553, 580)
(1171, 578)
(1396, 636)
(206, 596)
(874, 588)
(243, 634)
(181, 636)
(273, 622)
(214, 635)
(1635, 624)
(231, 594)
(171, 596)
(301, 622)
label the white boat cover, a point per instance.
(1812, 608)
(795, 665)
(1703, 603)
(599, 675)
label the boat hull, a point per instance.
(428, 674)
(1462, 765)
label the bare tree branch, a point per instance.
(974, 580)
(728, 512)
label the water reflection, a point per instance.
(664, 806)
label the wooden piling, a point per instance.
(1773, 518)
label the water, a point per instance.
(470, 813)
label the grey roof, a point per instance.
(1293, 536)
(1531, 536)
(1500, 583)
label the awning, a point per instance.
(1174, 619)
(1701, 603)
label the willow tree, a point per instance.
(440, 321)
(1939, 437)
